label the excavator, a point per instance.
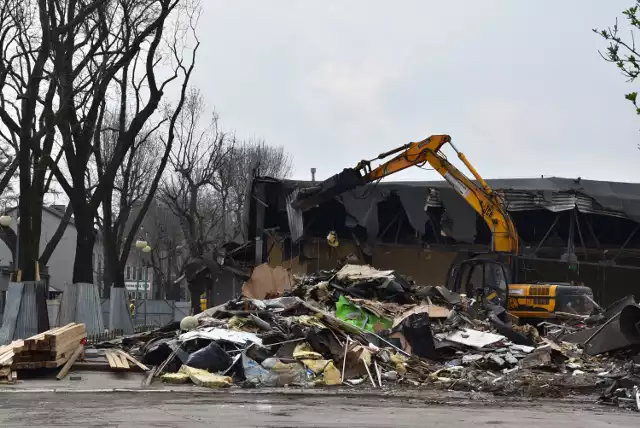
(486, 276)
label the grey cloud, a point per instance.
(519, 85)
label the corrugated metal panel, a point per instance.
(119, 315)
(89, 309)
(14, 297)
(27, 322)
(81, 303)
(521, 200)
(21, 316)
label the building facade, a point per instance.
(60, 266)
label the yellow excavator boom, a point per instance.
(480, 196)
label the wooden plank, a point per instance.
(111, 360)
(68, 342)
(11, 346)
(57, 331)
(70, 362)
(65, 352)
(116, 361)
(123, 362)
(133, 360)
(147, 381)
(63, 335)
(32, 342)
(28, 366)
(6, 359)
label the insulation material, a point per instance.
(303, 351)
(316, 366)
(331, 375)
(204, 378)
(177, 378)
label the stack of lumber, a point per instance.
(50, 349)
(7, 375)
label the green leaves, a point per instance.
(622, 50)
(632, 96)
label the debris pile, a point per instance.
(363, 326)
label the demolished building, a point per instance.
(571, 230)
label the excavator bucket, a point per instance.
(301, 200)
(333, 186)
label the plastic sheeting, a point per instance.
(553, 194)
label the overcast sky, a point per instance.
(519, 85)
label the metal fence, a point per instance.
(148, 313)
(153, 312)
(113, 334)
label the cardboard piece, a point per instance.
(267, 282)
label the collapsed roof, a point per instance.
(421, 200)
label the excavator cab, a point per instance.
(481, 279)
(488, 279)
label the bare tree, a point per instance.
(132, 184)
(29, 111)
(169, 254)
(248, 159)
(188, 190)
(102, 48)
(208, 182)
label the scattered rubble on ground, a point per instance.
(366, 328)
(363, 327)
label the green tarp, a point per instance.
(353, 314)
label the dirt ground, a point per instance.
(193, 410)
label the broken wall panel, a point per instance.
(425, 266)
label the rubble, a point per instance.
(366, 328)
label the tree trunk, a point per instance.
(26, 256)
(107, 278)
(118, 275)
(83, 263)
(59, 233)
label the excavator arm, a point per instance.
(480, 196)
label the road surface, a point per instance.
(142, 410)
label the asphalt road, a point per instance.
(141, 410)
